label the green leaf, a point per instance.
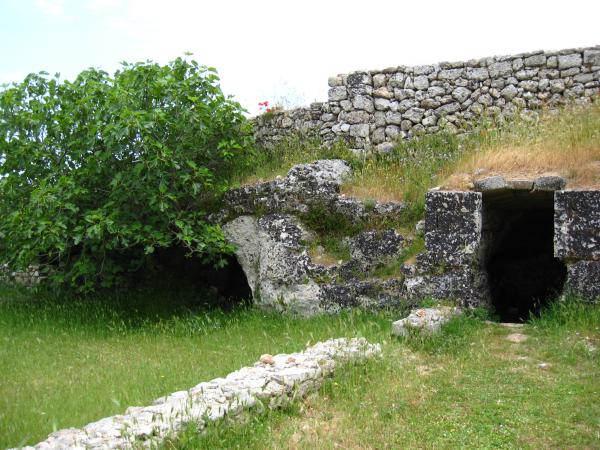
(82, 161)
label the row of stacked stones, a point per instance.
(372, 109)
(274, 381)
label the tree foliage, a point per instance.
(97, 173)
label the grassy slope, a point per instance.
(566, 142)
(468, 388)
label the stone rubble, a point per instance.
(428, 320)
(277, 381)
(371, 109)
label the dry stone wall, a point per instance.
(371, 109)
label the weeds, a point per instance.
(406, 173)
(568, 312)
(566, 143)
(452, 338)
(66, 362)
(464, 388)
(393, 267)
(266, 164)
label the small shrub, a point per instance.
(321, 220)
(261, 164)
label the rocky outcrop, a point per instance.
(305, 185)
(280, 273)
(272, 382)
(273, 245)
(372, 109)
(464, 233)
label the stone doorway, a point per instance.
(518, 252)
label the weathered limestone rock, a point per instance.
(428, 320)
(490, 184)
(520, 185)
(591, 57)
(577, 225)
(583, 279)
(569, 61)
(276, 265)
(549, 183)
(448, 269)
(453, 224)
(371, 247)
(371, 294)
(273, 249)
(274, 381)
(305, 184)
(462, 284)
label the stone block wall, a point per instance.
(577, 239)
(450, 266)
(453, 264)
(371, 109)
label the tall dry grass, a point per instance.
(565, 143)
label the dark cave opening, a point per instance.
(523, 274)
(226, 287)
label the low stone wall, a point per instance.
(371, 109)
(272, 382)
(30, 277)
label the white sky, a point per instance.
(281, 51)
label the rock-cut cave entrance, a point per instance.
(225, 287)
(518, 237)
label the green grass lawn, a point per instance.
(467, 388)
(66, 363)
